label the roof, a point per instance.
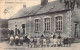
(78, 1)
(39, 9)
(76, 14)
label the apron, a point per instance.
(11, 40)
(16, 40)
(44, 41)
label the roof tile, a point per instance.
(39, 9)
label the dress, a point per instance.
(55, 41)
(38, 41)
(44, 41)
(51, 41)
(59, 42)
(28, 36)
(35, 41)
(11, 40)
(21, 40)
(16, 40)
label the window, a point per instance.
(23, 27)
(58, 23)
(37, 25)
(47, 24)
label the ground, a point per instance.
(6, 46)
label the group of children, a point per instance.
(16, 39)
(47, 42)
(54, 41)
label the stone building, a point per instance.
(48, 18)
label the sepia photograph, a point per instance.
(39, 24)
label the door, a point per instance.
(23, 27)
(76, 30)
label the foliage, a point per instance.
(5, 31)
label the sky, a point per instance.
(9, 9)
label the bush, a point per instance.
(4, 34)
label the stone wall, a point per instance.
(30, 24)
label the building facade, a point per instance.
(48, 18)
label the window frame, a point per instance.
(44, 24)
(55, 22)
(35, 23)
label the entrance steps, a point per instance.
(76, 40)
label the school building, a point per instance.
(48, 18)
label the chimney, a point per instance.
(24, 5)
(43, 2)
(60, 0)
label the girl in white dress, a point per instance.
(16, 39)
(21, 40)
(51, 42)
(44, 42)
(38, 41)
(55, 41)
(11, 40)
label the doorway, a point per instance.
(76, 30)
(23, 27)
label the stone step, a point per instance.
(78, 36)
(77, 40)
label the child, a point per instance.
(32, 42)
(55, 41)
(11, 40)
(16, 39)
(44, 42)
(59, 41)
(35, 41)
(38, 41)
(69, 41)
(51, 42)
(21, 40)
